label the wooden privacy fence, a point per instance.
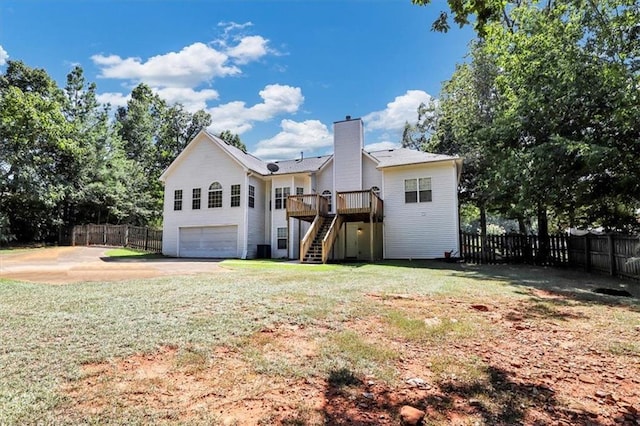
(136, 237)
(610, 253)
(512, 248)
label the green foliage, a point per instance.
(547, 112)
(233, 140)
(5, 230)
(63, 161)
(464, 11)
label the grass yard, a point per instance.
(132, 253)
(281, 343)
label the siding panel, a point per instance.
(347, 161)
(421, 230)
(370, 175)
(205, 164)
(256, 231)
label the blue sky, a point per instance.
(279, 73)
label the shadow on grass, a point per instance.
(136, 258)
(156, 258)
(497, 401)
(560, 284)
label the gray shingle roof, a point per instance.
(310, 164)
(405, 156)
(385, 158)
(249, 161)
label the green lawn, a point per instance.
(132, 253)
(48, 333)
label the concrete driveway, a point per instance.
(62, 265)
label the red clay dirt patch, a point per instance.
(539, 361)
(185, 386)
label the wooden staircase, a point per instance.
(314, 254)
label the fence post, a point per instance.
(73, 236)
(612, 257)
(146, 239)
(86, 235)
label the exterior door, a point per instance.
(352, 240)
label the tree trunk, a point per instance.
(543, 235)
(522, 226)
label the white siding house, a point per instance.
(395, 204)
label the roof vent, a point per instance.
(273, 167)
(348, 117)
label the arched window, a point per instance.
(215, 195)
(376, 190)
(327, 194)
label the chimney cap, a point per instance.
(348, 117)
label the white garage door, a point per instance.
(209, 241)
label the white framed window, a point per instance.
(282, 238)
(327, 194)
(196, 194)
(281, 197)
(215, 195)
(235, 195)
(299, 190)
(417, 190)
(177, 199)
(252, 196)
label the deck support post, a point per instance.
(371, 239)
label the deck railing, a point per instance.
(332, 234)
(307, 205)
(354, 202)
(306, 242)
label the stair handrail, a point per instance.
(377, 205)
(330, 238)
(310, 235)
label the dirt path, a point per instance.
(63, 265)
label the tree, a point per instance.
(178, 128)
(232, 139)
(567, 123)
(153, 134)
(460, 124)
(35, 151)
(463, 11)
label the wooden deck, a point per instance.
(307, 207)
(358, 206)
(353, 206)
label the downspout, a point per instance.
(384, 234)
(458, 170)
(245, 206)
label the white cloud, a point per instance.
(306, 136)
(193, 65)
(3, 56)
(402, 109)
(229, 27)
(238, 118)
(249, 49)
(185, 76)
(115, 99)
(379, 146)
(192, 100)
